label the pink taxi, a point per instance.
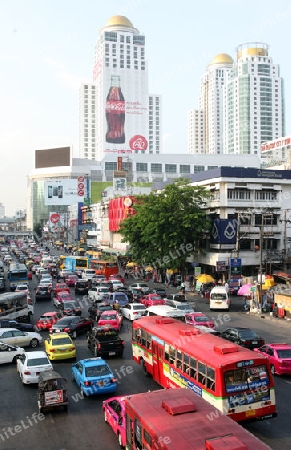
(199, 319)
(114, 415)
(111, 318)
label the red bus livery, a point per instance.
(170, 420)
(235, 380)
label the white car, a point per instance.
(21, 287)
(143, 287)
(19, 338)
(31, 365)
(9, 353)
(116, 284)
(133, 311)
(88, 274)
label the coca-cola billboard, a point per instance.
(125, 111)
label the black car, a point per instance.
(81, 287)
(71, 308)
(105, 341)
(9, 323)
(73, 325)
(246, 337)
(97, 308)
(160, 291)
(43, 293)
(2, 284)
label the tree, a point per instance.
(167, 225)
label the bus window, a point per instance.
(178, 359)
(210, 381)
(186, 368)
(193, 368)
(167, 356)
(201, 373)
(172, 355)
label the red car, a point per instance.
(111, 318)
(199, 319)
(151, 300)
(279, 356)
(47, 320)
(70, 280)
(116, 276)
(61, 287)
(61, 297)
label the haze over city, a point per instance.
(48, 51)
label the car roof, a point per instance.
(59, 335)
(279, 345)
(112, 312)
(93, 361)
(8, 329)
(52, 313)
(35, 354)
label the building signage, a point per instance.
(277, 143)
(223, 231)
(62, 192)
(220, 266)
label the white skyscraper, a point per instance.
(254, 101)
(241, 105)
(117, 115)
(205, 125)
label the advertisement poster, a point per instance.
(63, 192)
(56, 221)
(125, 112)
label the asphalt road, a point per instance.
(83, 426)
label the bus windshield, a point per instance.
(17, 274)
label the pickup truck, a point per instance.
(9, 323)
(105, 341)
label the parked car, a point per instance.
(133, 311)
(143, 287)
(246, 337)
(19, 338)
(31, 365)
(59, 346)
(43, 293)
(97, 308)
(105, 341)
(81, 287)
(151, 300)
(114, 415)
(73, 325)
(71, 308)
(279, 356)
(111, 318)
(46, 321)
(9, 353)
(176, 297)
(198, 319)
(10, 323)
(94, 376)
(62, 297)
(61, 287)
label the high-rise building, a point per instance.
(117, 114)
(205, 125)
(241, 105)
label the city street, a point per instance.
(83, 425)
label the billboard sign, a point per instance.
(126, 111)
(62, 192)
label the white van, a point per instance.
(219, 298)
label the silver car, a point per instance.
(12, 336)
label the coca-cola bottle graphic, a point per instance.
(115, 112)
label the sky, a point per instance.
(47, 52)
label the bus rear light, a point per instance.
(267, 403)
(231, 411)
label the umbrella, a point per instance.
(245, 289)
(204, 278)
(130, 264)
(148, 269)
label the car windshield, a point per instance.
(138, 307)
(70, 305)
(247, 334)
(105, 308)
(64, 321)
(201, 319)
(108, 317)
(44, 318)
(62, 286)
(62, 341)
(155, 297)
(282, 354)
(97, 371)
(183, 307)
(104, 335)
(37, 362)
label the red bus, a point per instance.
(105, 268)
(170, 420)
(236, 380)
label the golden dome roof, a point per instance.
(222, 58)
(118, 21)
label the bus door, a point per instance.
(158, 357)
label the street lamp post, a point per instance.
(261, 267)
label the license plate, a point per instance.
(217, 303)
(57, 330)
(100, 383)
(111, 353)
(251, 413)
(254, 342)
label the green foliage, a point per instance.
(168, 225)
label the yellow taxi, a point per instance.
(59, 346)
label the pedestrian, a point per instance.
(182, 287)
(126, 274)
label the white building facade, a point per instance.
(117, 114)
